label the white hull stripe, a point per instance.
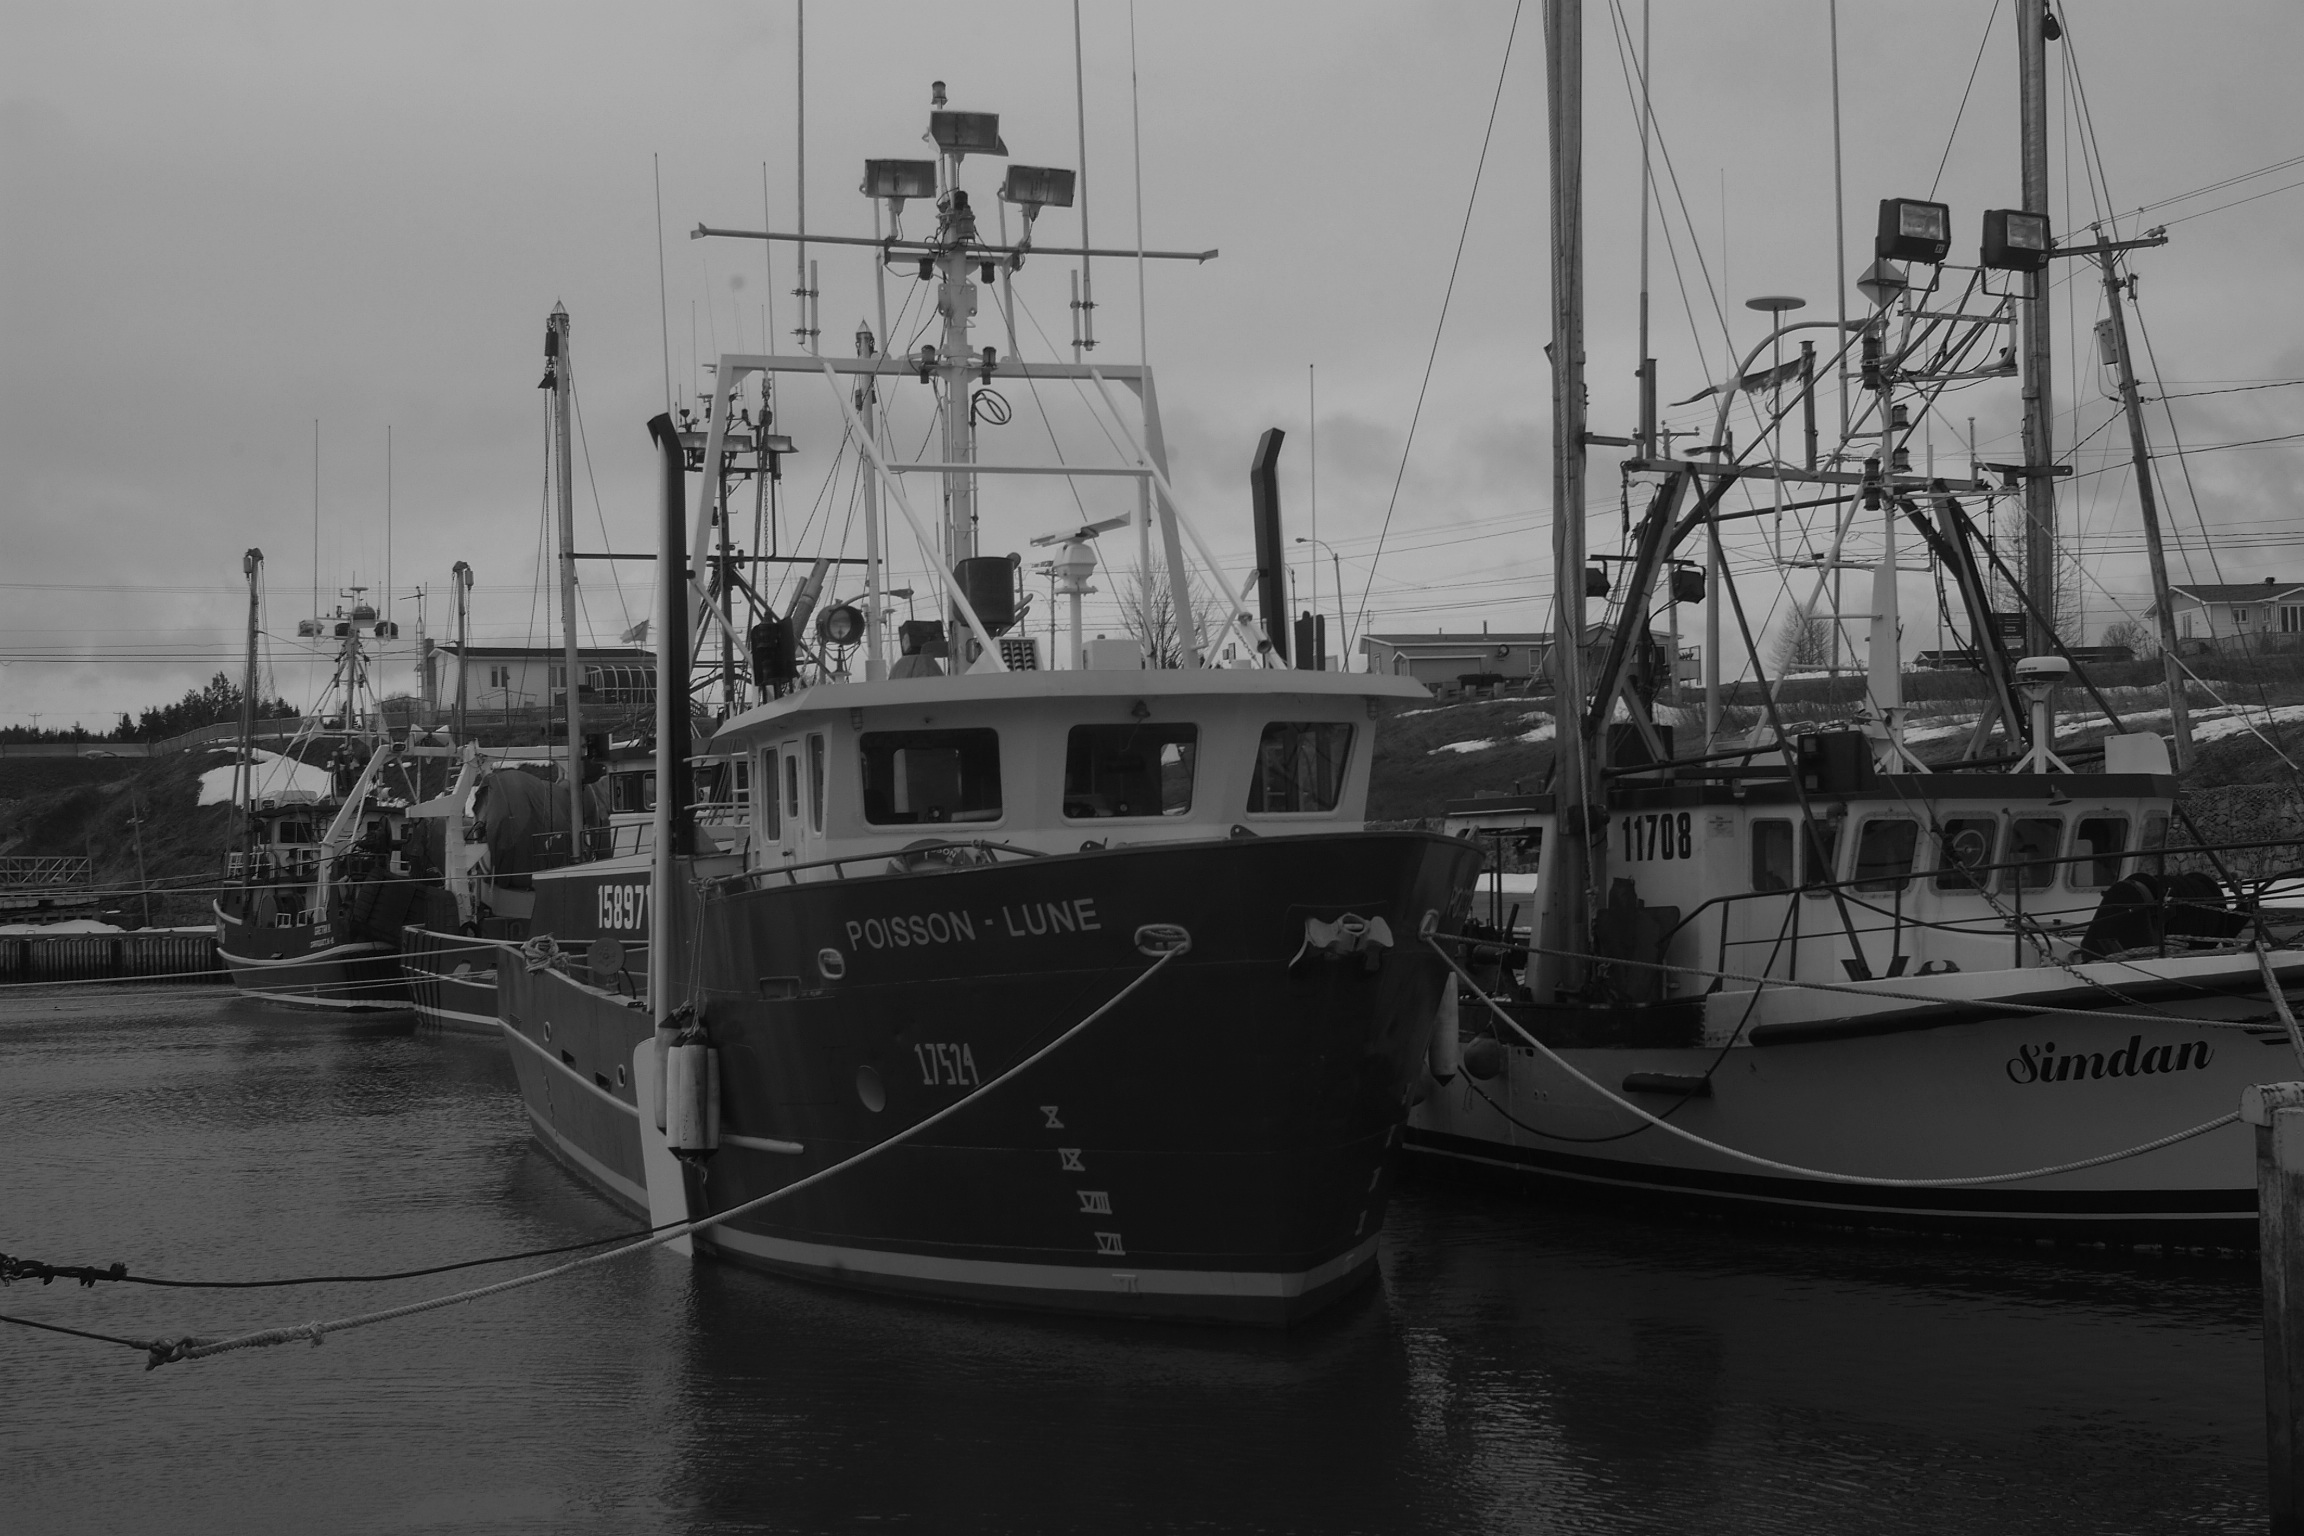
(434, 1011)
(334, 952)
(1821, 1202)
(615, 1183)
(1083, 1279)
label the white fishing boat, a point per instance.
(1813, 973)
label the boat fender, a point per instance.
(1484, 1059)
(1446, 1053)
(692, 1097)
(1420, 1089)
(668, 1033)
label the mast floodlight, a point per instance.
(1775, 303)
(1911, 230)
(2015, 241)
(966, 133)
(897, 180)
(1882, 282)
(1034, 187)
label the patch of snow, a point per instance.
(75, 925)
(2239, 722)
(1544, 732)
(1462, 746)
(275, 775)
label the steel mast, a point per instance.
(562, 384)
(2032, 33)
(1564, 60)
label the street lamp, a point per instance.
(1343, 661)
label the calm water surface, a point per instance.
(1521, 1368)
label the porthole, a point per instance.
(831, 964)
(619, 1077)
(871, 1090)
(547, 1029)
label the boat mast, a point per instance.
(250, 565)
(2147, 499)
(563, 385)
(956, 302)
(461, 575)
(1564, 59)
(2032, 23)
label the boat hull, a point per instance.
(1218, 1147)
(307, 965)
(451, 978)
(1918, 1093)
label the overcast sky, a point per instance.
(225, 222)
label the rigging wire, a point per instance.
(1962, 110)
(1441, 325)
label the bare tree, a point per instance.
(2139, 637)
(1162, 642)
(1804, 644)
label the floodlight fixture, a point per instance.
(897, 180)
(966, 133)
(1911, 230)
(1881, 282)
(1034, 187)
(2015, 241)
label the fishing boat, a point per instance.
(1084, 988)
(315, 894)
(1807, 972)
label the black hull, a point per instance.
(308, 966)
(1219, 1147)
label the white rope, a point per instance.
(163, 1351)
(1817, 1173)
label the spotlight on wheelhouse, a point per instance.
(1911, 230)
(2015, 241)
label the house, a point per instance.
(2239, 611)
(534, 676)
(1510, 657)
(1438, 659)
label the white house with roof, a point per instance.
(526, 676)
(2239, 611)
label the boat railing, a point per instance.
(912, 858)
(2046, 922)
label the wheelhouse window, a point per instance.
(2033, 842)
(2099, 848)
(1965, 844)
(1299, 766)
(816, 783)
(1771, 855)
(1820, 856)
(2155, 839)
(1130, 770)
(1884, 854)
(913, 777)
(771, 803)
(632, 791)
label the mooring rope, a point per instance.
(1793, 1168)
(1175, 942)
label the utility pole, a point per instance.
(1564, 82)
(563, 386)
(136, 825)
(2163, 611)
(245, 797)
(2039, 400)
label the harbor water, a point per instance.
(1521, 1366)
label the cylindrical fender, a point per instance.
(1446, 1053)
(691, 1098)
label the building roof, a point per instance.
(1484, 637)
(554, 653)
(2267, 591)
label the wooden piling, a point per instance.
(2277, 1112)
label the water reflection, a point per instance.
(1520, 1368)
